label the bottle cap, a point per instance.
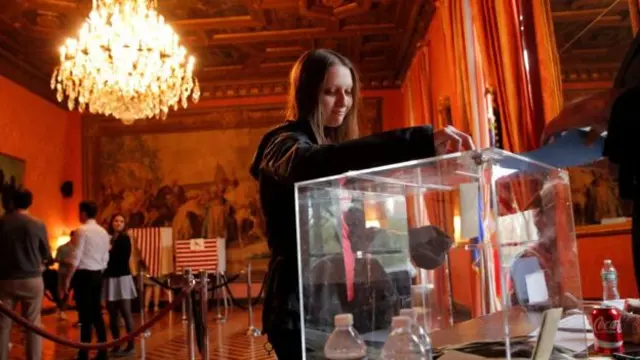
(343, 320)
(607, 261)
(410, 313)
(400, 322)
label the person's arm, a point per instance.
(291, 157)
(127, 249)
(45, 250)
(105, 257)
(78, 240)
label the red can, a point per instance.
(607, 330)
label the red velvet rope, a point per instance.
(101, 346)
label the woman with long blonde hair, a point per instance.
(320, 139)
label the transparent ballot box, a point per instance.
(480, 244)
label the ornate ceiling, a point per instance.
(592, 56)
(243, 47)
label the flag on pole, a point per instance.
(484, 257)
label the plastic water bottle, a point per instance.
(418, 331)
(609, 281)
(344, 343)
(401, 343)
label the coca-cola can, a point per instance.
(607, 330)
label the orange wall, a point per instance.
(49, 140)
(594, 247)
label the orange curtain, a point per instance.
(500, 48)
(416, 90)
(540, 29)
(428, 81)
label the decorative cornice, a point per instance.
(588, 74)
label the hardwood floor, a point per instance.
(167, 341)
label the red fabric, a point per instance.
(347, 252)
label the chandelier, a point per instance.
(126, 62)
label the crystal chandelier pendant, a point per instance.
(126, 62)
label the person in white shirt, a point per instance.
(90, 260)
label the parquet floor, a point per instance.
(168, 339)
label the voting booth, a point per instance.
(459, 237)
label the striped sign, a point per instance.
(148, 242)
(200, 254)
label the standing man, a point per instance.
(91, 257)
(25, 249)
(615, 111)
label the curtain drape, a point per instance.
(501, 52)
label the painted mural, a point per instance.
(594, 194)
(11, 175)
(190, 173)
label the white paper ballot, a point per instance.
(573, 333)
(196, 244)
(469, 212)
(615, 303)
(536, 287)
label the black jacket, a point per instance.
(620, 145)
(119, 256)
(290, 153)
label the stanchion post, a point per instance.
(184, 302)
(191, 348)
(252, 330)
(204, 306)
(218, 291)
(143, 349)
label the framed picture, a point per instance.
(595, 196)
(11, 174)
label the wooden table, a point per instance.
(489, 327)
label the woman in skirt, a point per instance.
(119, 287)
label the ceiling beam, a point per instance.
(298, 34)
(26, 76)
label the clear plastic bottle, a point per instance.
(401, 343)
(609, 281)
(418, 331)
(344, 343)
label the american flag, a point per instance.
(200, 254)
(148, 242)
(485, 259)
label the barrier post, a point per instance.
(218, 292)
(184, 303)
(143, 348)
(204, 306)
(189, 314)
(252, 330)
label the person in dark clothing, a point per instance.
(119, 287)
(90, 260)
(320, 140)
(24, 246)
(615, 111)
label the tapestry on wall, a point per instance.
(11, 175)
(594, 194)
(189, 172)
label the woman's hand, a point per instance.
(450, 140)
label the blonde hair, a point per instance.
(306, 82)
